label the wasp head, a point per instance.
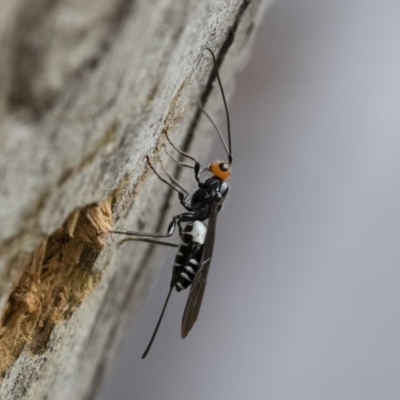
(220, 169)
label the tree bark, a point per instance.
(86, 89)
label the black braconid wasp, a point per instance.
(193, 257)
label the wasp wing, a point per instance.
(198, 286)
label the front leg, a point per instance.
(196, 166)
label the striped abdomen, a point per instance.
(188, 256)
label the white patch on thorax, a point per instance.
(199, 231)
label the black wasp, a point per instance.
(193, 257)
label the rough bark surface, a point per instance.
(86, 89)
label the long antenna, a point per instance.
(215, 126)
(158, 324)
(225, 105)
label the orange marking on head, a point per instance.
(221, 170)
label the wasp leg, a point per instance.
(176, 221)
(173, 180)
(149, 240)
(180, 163)
(196, 166)
(183, 195)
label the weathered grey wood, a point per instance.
(86, 88)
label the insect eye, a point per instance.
(223, 167)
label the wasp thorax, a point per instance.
(221, 170)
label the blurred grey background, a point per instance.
(303, 296)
